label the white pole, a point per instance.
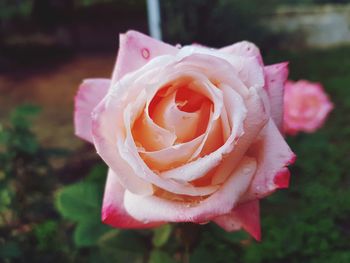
(154, 19)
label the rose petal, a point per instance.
(171, 157)
(276, 76)
(135, 50)
(108, 126)
(248, 69)
(243, 48)
(145, 132)
(155, 209)
(105, 139)
(170, 117)
(214, 140)
(273, 155)
(90, 93)
(113, 211)
(129, 153)
(256, 119)
(194, 170)
(246, 216)
(236, 113)
(151, 136)
(282, 178)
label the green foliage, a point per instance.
(79, 202)
(18, 149)
(161, 235)
(45, 234)
(25, 192)
(9, 8)
(89, 232)
(158, 256)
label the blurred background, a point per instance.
(51, 182)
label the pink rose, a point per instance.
(306, 106)
(189, 135)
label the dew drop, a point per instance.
(145, 53)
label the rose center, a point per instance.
(188, 100)
(180, 109)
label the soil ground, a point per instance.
(52, 87)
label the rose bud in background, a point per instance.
(190, 134)
(306, 106)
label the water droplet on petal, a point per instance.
(145, 53)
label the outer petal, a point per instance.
(90, 93)
(135, 50)
(113, 211)
(243, 48)
(273, 155)
(248, 69)
(155, 209)
(246, 216)
(276, 76)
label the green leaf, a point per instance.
(5, 199)
(25, 110)
(161, 235)
(158, 256)
(127, 240)
(27, 144)
(80, 202)
(20, 115)
(98, 174)
(45, 234)
(88, 233)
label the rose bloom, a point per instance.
(306, 106)
(189, 134)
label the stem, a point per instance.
(186, 255)
(189, 235)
